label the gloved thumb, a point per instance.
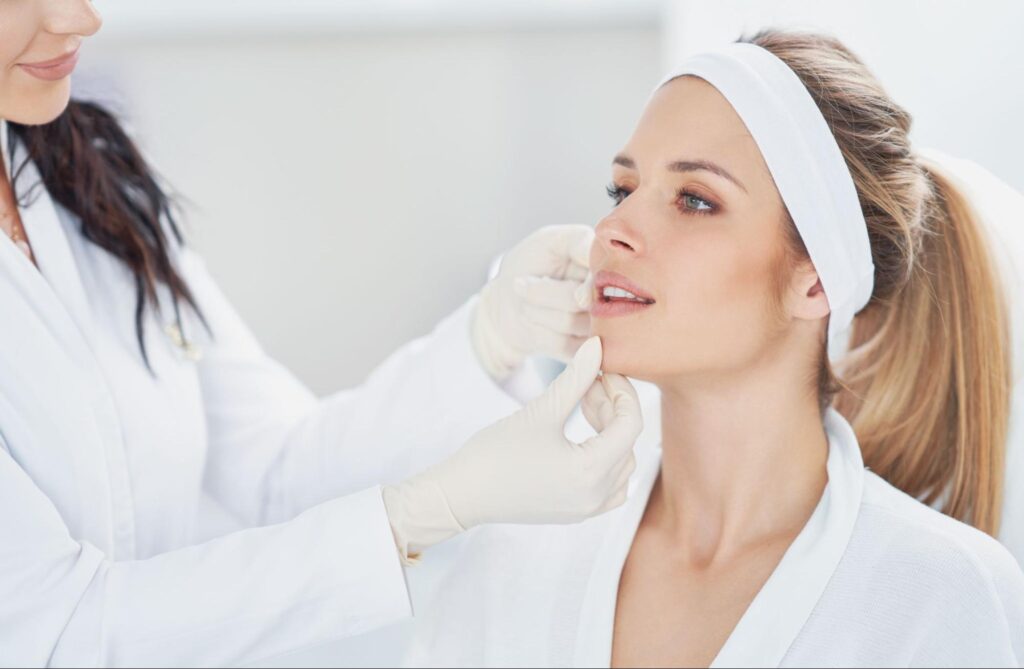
(566, 391)
(581, 239)
(584, 294)
(613, 409)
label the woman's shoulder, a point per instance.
(932, 544)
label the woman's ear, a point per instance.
(807, 297)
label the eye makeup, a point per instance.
(687, 201)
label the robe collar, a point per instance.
(779, 611)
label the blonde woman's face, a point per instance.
(697, 234)
(38, 40)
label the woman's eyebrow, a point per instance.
(685, 166)
(706, 165)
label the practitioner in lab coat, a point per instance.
(767, 196)
(129, 388)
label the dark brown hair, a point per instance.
(90, 166)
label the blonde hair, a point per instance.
(926, 381)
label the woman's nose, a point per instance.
(71, 17)
(617, 235)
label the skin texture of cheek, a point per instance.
(713, 313)
(736, 316)
(17, 29)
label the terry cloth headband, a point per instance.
(806, 164)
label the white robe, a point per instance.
(103, 466)
(875, 578)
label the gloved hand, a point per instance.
(523, 469)
(535, 305)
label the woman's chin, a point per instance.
(39, 105)
(621, 356)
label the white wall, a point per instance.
(350, 189)
(957, 67)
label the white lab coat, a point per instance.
(102, 468)
(875, 578)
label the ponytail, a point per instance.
(927, 383)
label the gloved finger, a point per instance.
(546, 342)
(621, 432)
(570, 345)
(585, 293)
(542, 291)
(576, 272)
(623, 472)
(569, 245)
(552, 250)
(581, 239)
(617, 500)
(620, 489)
(626, 470)
(559, 322)
(558, 346)
(579, 253)
(597, 406)
(566, 391)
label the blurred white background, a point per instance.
(351, 167)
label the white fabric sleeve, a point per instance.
(331, 572)
(275, 449)
(981, 611)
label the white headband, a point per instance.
(806, 164)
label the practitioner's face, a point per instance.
(708, 252)
(37, 41)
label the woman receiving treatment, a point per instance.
(768, 196)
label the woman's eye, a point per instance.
(694, 204)
(616, 193)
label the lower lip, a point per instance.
(53, 72)
(614, 308)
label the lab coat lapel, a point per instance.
(55, 286)
(781, 608)
(62, 354)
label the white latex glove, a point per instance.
(523, 469)
(537, 304)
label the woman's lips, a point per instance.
(610, 307)
(52, 70)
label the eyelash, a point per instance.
(618, 194)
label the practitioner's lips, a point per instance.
(617, 295)
(52, 70)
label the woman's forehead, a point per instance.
(688, 117)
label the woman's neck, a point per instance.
(743, 463)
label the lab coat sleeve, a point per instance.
(275, 449)
(330, 572)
